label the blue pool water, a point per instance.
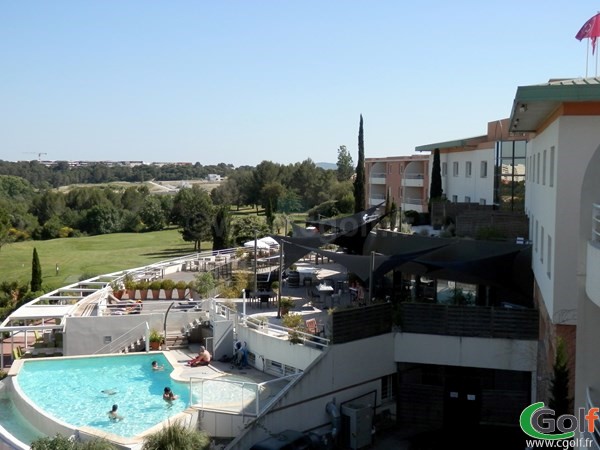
(12, 420)
(71, 390)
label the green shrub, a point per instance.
(177, 436)
(155, 285)
(59, 442)
(167, 284)
(181, 285)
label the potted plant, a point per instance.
(156, 339)
(286, 304)
(295, 323)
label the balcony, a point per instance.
(376, 199)
(377, 178)
(415, 204)
(473, 321)
(413, 180)
(592, 282)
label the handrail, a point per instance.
(119, 341)
(269, 328)
(256, 387)
(596, 222)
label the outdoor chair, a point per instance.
(311, 326)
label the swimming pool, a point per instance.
(70, 390)
(14, 422)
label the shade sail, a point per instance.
(259, 244)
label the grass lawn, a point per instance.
(90, 256)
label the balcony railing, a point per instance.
(412, 201)
(474, 321)
(413, 176)
(596, 223)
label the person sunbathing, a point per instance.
(203, 358)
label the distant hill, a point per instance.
(326, 165)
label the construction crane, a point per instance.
(39, 154)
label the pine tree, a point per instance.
(359, 182)
(36, 272)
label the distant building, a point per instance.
(404, 178)
(214, 177)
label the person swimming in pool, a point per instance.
(109, 391)
(155, 366)
(168, 395)
(114, 415)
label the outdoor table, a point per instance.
(325, 292)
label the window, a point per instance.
(390, 169)
(544, 169)
(468, 169)
(482, 201)
(387, 387)
(536, 235)
(467, 199)
(537, 173)
(444, 169)
(483, 169)
(549, 259)
(551, 173)
(455, 169)
(542, 245)
(455, 199)
(533, 169)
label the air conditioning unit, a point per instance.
(357, 423)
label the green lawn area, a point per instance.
(90, 256)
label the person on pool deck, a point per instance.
(168, 395)
(203, 358)
(114, 415)
(155, 366)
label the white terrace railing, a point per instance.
(264, 327)
(140, 332)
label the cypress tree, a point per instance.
(560, 401)
(36, 272)
(435, 190)
(359, 181)
(221, 229)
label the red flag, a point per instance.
(590, 29)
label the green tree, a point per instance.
(4, 228)
(560, 401)
(152, 214)
(359, 181)
(221, 229)
(193, 211)
(345, 165)
(435, 191)
(36, 272)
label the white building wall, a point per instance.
(475, 186)
(502, 354)
(557, 210)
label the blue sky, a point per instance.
(240, 82)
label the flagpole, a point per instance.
(587, 57)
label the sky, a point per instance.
(244, 81)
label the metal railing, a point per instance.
(244, 397)
(126, 339)
(596, 222)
